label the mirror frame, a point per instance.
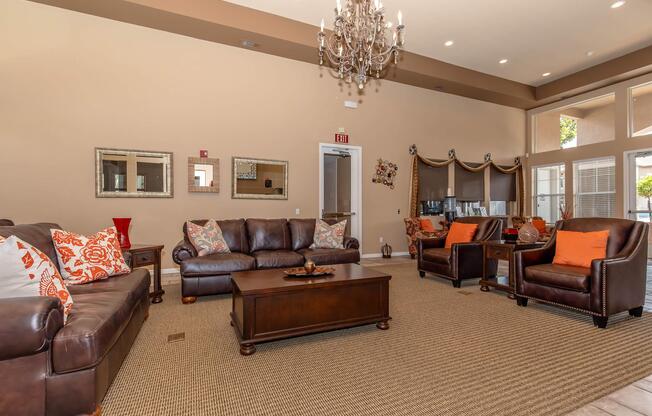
(192, 161)
(99, 193)
(234, 181)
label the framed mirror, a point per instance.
(132, 174)
(259, 179)
(203, 174)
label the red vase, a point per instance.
(122, 225)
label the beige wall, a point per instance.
(70, 82)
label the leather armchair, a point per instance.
(461, 261)
(611, 285)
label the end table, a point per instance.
(148, 255)
(502, 250)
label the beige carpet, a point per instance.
(448, 352)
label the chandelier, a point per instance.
(359, 45)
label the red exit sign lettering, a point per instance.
(341, 138)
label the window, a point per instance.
(641, 110)
(587, 122)
(548, 184)
(595, 187)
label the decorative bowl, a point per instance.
(301, 272)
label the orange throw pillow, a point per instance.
(540, 225)
(574, 248)
(460, 233)
(426, 225)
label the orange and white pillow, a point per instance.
(328, 236)
(26, 271)
(86, 259)
(207, 239)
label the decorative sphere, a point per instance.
(528, 233)
(309, 266)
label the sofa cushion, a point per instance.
(135, 284)
(272, 259)
(268, 234)
(233, 231)
(331, 255)
(95, 324)
(437, 255)
(216, 264)
(560, 276)
(303, 231)
(37, 235)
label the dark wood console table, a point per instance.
(502, 250)
(149, 255)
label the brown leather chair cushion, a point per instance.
(331, 255)
(234, 232)
(37, 235)
(303, 232)
(268, 234)
(272, 259)
(560, 276)
(96, 322)
(437, 255)
(135, 284)
(216, 264)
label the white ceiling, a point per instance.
(537, 36)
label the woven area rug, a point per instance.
(448, 352)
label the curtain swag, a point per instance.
(516, 169)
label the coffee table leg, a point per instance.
(247, 349)
(382, 325)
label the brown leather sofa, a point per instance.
(611, 285)
(461, 261)
(49, 368)
(254, 244)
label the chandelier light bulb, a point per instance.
(322, 25)
(400, 18)
(339, 7)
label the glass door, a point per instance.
(639, 188)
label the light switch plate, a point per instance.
(297, 211)
(350, 104)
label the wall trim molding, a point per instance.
(377, 255)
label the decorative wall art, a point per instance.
(385, 173)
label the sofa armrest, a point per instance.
(432, 242)
(526, 258)
(467, 259)
(351, 242)
(28, 325)
(183, 251)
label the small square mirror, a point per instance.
(203, 174)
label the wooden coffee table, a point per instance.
(268, 306)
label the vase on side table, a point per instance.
(122, 225)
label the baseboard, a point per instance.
(376, 255)
(173, 270)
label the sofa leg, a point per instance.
(186, 300)
(637, 312)
(600, 321)
(422, 273)
(413, 256)
(457, 283)
(521, 301)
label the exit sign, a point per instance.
(341, 138)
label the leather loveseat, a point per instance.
(49, 368)
(462, 260)
(611, 285)
(254, 244)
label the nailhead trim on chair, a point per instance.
(561, 304)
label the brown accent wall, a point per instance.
(72, 82)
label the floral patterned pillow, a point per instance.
(86, 259)
(26, 271)
(207, 239)
(329, 236)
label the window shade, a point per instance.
(469, 186)
(433, 182)
(502, 185)
(595, 187)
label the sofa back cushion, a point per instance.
(233, 231)
(37, 235)
(303, 232)
(269, 234)
(619, 230)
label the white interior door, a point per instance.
(340, 185)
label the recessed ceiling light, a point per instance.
(545, 74)
(617, 4)
(448, 43)
(589, 53)
(503, 61)
(249, 44)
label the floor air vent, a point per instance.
(181, 336)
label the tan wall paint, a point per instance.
(71, 82)
(616, 148)
(642, 107)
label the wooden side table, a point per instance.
(501, 250)
(149, 255)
